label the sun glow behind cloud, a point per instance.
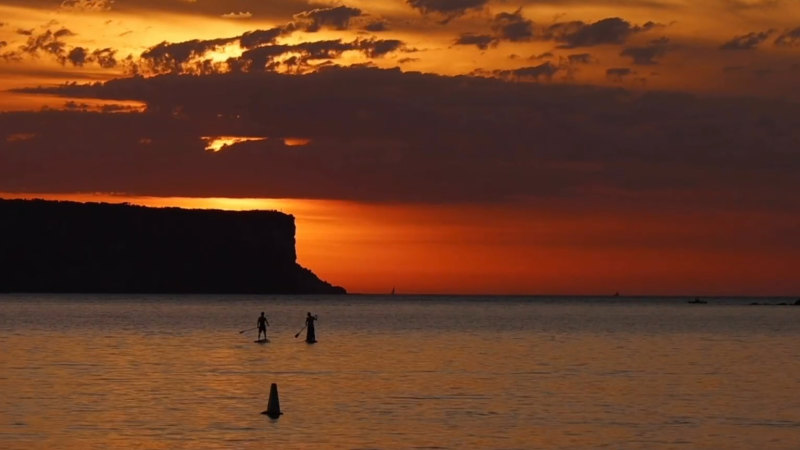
(296, 141)
(218, 143)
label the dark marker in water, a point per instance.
(274, 405)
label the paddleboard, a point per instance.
(261, 341)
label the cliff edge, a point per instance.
(55, 246)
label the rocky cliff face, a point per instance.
(48, 246)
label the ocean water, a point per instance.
(131, 371)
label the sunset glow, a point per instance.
(296, 142)
(496, 249)
(432, 146)
(217, 143)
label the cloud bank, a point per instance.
(389, 136)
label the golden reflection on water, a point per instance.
(468, 374)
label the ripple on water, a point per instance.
(428, 374)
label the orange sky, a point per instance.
(643, 147)
(690, 59)
(508, 250)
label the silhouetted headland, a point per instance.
(50, 246)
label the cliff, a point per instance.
(48, 246)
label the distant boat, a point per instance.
(392, 293)
(697, 301)
(616, 294)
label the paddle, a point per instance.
(249, 329)
(301, 330)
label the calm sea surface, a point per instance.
(99, 371)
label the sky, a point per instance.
(647, 147)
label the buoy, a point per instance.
(274, 405)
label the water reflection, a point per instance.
(167, 372)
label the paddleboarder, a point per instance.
(262, 326)
(311, 337)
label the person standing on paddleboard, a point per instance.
(311, 336)
(262, 326)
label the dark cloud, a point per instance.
(252, 39)
(580, 58)
(265, 58)
(545, 55)
(747, 41)
(77, 56)
(376, 26)
(262, 52)
(482, 41)
(450, 9)
(72, 105)
(512, 27)
(189, 56)
(48, 42)
(376, 48)
(11, 57)
(105, 57)
(606, 31)
(337, 18)
(169, 57)
(262, 49)
(505, 27)
(385, 135)
(790, 38)
(62, 32)
(545, 70)
(618, 73)
(649, 54)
